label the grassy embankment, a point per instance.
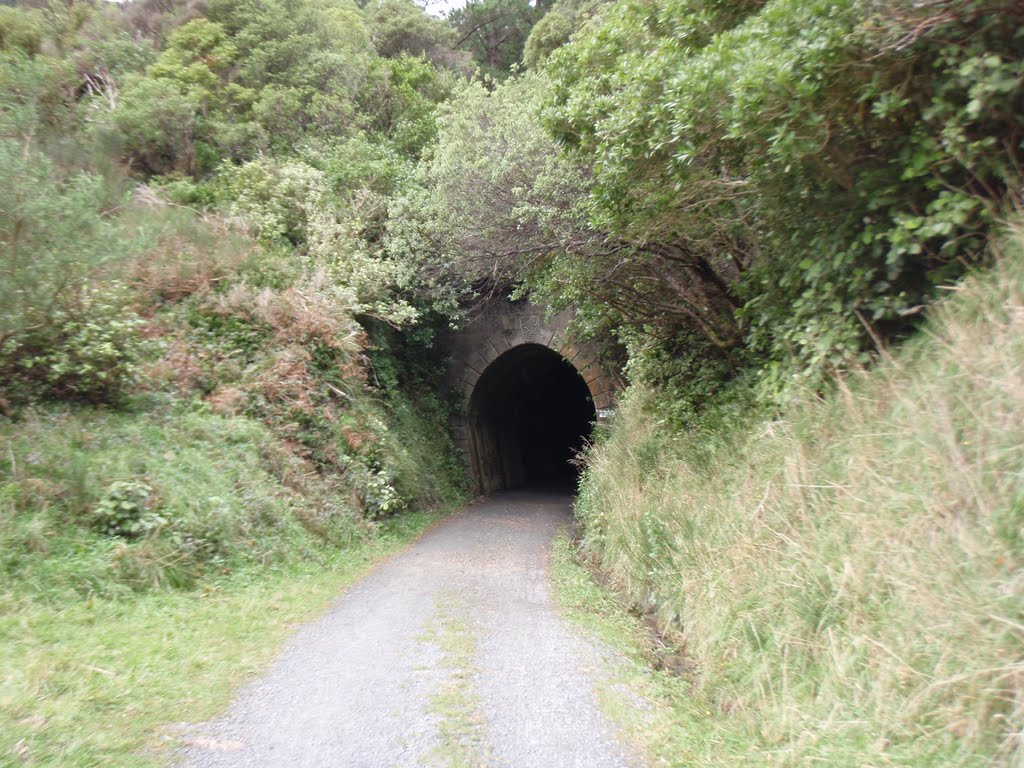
(845, 581)
(154, 552)
(105, 639)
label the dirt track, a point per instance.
(449, 654)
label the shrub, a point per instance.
(65, 328)
(21, 30)
(190, 254)
(125, 510)
(88, 351)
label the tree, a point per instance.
(831, 161)
(499, 206)
(21, 31)
(494, 31)
(185, 102)
(557, 27)
(401, 27)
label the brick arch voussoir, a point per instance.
(583, 357)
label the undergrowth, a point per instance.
(845, 579)
(158, 538)
(218, 494)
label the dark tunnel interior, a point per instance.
(530, 414)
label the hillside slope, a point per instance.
(846, 581)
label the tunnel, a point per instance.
(529, 415)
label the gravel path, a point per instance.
(447, 655)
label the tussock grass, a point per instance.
(846, 580)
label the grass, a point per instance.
(105, 640)
(846, 580)
(227, 495)
(95, 682)
(456, 704)
(648, 703)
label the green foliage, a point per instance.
(33, 97)
(186, 105)
(492, 155)
(159, 125)
(830, 162)
(495, 31)
(376, 491)
(291, 77)
(124, 510)
(836, 578)
(242, 436)
(156, 499)
(401, 103)
(559, 25)
(306, 60)
(66, 330)
(88, 349)
(290, 201)
(400, 27)
(109, 54)
(20, 30)
(276, 198)
(367, 167)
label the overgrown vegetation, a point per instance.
(844, 579)
(205, 413)
(783, 184)
(232, 232)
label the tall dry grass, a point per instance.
(847, 581)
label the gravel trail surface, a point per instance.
(449, 654)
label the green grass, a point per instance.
(228, 493)
(106, 640)
(456, 704)
(649, 704)
(847, 580)
(95, 682)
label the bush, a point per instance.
(124, 510)
(21, 30)
(65, 327)
(828, 163)
(88, 350)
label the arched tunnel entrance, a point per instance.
(529, 415)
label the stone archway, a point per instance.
(505, 327)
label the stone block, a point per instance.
(469, 378)
(475, 362)
(492, 350)
(500, 342)
(517, 340)
(569, 351)
(592, 373)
